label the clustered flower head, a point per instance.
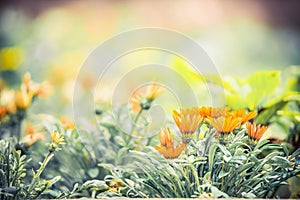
(143, 100)
(221, 120)
(225, 121)
(12, 101)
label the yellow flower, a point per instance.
(255, 132)
(241, 113)
(10, 58)
(224, 124)
(32, 135)
(187, 120)
(166, 147)
(23, 99)
(57, 138)
(142, 101)
(213, 112)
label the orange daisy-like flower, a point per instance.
(255, 132)
(166, 147)
(135, 102)
(213, 112)
(41, 90)
(187, 120)
(241, 113)
(224, 124)
(153, 91)
(67, 123)
(142, 100)
(32, 135)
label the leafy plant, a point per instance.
(13, 175)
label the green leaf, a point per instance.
(119, 140)
(260, 144)
(211, 155)
(296, 153)
(93, 172)
(249, 195)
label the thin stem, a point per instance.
(40, 170)
(134, 126)
(137, 118)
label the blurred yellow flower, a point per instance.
(255, 132)
(142, 101)
(135, 102)
(10, 58)
(23, 99)
(153, 91)
(224, 124)
(187, 120)
(166, 147)
(57, 138)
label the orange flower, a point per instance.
(255, 132)
(166, 147)
(165, 138)
(241, 113)
(41, 90)
(67, 123)
(2, 112)
(32, 135)
(224, 124)
(187, 120)
(213, 112)
(23, 99)
(153, 91)
(140, 101)
(135, 102)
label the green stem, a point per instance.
(134, 126)
(136, 119)
(40, 170)
(149, 141)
